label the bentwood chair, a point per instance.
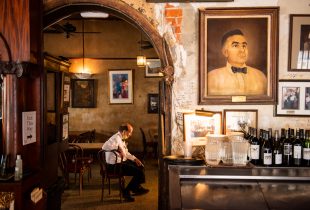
(109, 172)
(147, 144)
(73, 161)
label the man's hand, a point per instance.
(138, 162)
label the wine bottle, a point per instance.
(270, 138)
(287, 150)
(306, 149)
(297, 149)
(277, 150)
(261, 143)
(267, 150)
(255, 148)
(247, 135)
(282, 135)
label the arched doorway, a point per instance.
(56, 11)
(59, 10)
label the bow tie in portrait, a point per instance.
(239, 70)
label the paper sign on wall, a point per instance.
(29, 127)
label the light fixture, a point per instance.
(83, 73)
(94, 14)
(141, 59)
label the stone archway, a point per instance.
(57, 10)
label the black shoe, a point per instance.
(140, 191)
(127, 197)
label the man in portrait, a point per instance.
(236, 78)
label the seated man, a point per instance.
(131, 166)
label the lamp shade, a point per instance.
(141, 60)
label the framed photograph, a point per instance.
(198, 124)
(299, 43)
(238, 55)
(153, 103)
(239, 120)
(121, 86)
(51, 91)
(83, 93)
(152, 68)
(294, 98)
(65, 126)
(66, 90)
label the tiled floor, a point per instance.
(90, 197)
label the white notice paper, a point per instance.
(29, 127)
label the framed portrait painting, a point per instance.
(294, 98)
(121, 86)
(238, 55)
(83, 93)
(299, 43)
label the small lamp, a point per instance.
(83, 74)
(141, 59)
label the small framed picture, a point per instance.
(239, 120)
(83, 93)
(66, 90)
(294, 98)
(153, 103)
(65, 126)
(121, 86)
(299, 45)
(153, 68)
(198, 124)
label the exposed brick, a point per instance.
(179, 20)
(178, 37)
(173, 12)
(177, 29)
(171, 20)
(168, 6)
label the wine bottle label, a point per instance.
(267, 158)
(278, 159)
(254, 151)
(297, 152)
(287, 149)
(306, 152)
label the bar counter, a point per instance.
(238, 188)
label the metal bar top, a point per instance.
(244, 173)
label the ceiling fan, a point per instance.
(68, 29)
(144, 44)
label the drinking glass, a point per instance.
(240, 151)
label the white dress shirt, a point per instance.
(223, 81)
(115, 142)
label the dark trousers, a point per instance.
(129, 168)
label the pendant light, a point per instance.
(141, 59)
(84, 74)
